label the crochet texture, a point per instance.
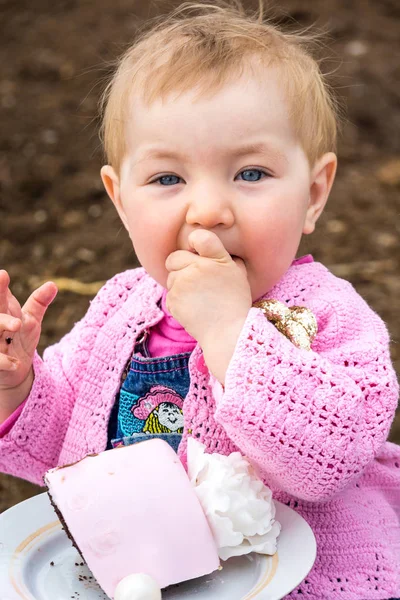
(313, 423)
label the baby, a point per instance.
(219, 131)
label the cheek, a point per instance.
(150, 221)
(153, 239)
(273, 228)
(144, 228)
(281, 215)
(272, 238)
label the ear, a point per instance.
(111, 183)
(322, 177)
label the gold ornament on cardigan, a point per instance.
(297, 323)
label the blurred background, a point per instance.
(55, 219)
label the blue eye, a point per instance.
(167, 180)
(252, 174)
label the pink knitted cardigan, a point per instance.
(314, 423)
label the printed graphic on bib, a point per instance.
(150, 401)
(160, 410)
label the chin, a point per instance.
(259, 290)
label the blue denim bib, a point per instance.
(150, 401)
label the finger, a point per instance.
(171, 279)
(4, 283)
(168, 305)
(9, 323)
(207, 244)
(180, 259)
(8, 363)
(39, 300)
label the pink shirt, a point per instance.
(9, 423)
(168, 336)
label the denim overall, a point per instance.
(150, 401)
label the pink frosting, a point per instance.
(146, 518)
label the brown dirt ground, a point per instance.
(55, 219)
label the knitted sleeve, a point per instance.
(34, 442)
(311, 421)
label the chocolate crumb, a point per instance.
(52, 563)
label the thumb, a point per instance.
(39, 300)
(207, 244)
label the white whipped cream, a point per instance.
(238, 506)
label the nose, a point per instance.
(209, 207)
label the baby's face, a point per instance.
(229, 163)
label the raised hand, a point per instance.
(208, 289)
(19, 334)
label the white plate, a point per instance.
(38, 562)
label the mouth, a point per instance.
(233, 256)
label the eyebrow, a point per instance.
(256, 148)
(259, 148)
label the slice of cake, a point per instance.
(133, 510)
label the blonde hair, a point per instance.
(206, 46)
